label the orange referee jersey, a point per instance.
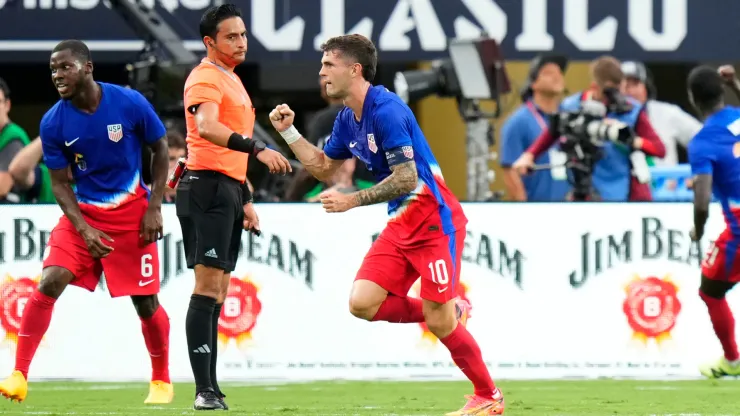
(209, 82)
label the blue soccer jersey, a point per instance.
(715, 150)
(103, 148)
(387, 135)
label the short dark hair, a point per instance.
(357, 47)
(215, 15)
(4, 89)
(77, 47)
(175, 140)
(607, 69)
(705, 85)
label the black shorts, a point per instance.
(209, 206)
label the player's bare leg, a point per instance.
(199, 332)
(713, 293)
(441, 319)
(155, 326)
(214, 351)
(369, 301)
(34, 323)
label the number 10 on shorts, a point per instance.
(438, 270)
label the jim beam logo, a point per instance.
(239, 313)
(495, 255)
(652, 241)
(651, 306)
(14, 294)
(428, 339)
(26, 242)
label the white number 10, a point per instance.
(438, 269)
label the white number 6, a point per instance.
(438, 269)
(146, 267)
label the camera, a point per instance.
(585, 132)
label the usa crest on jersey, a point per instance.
(371, 143)
(115, 132)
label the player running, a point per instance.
(426, 232)
(111, 222)
(713, 155)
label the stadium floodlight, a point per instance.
(474, 71)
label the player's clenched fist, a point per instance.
(282, 117)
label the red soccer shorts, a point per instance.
(132, 268)
(395, 268)
(722, 261)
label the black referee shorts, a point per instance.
(209, 207)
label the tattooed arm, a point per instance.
(402, 180)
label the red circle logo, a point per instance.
(240, 309)
(651, 306)
(13, 297)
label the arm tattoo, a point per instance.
(401, 181)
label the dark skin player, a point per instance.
(74, 81)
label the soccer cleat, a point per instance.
(160, 393)
(207, 400)
(481, 406)
(14, 387)
(462, 311)
(221, 396)
(720, 368)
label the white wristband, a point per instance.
(290, 135)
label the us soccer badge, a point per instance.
(14, 294)
(651, 307)
(239, 313)
(428, 339)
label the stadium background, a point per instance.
(559, 291)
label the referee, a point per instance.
(213, 201)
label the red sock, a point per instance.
(34, 323)
(156, 330)
(466, 354)
(401, 310)
(724, 324)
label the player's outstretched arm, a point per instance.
(160, 166)
(702, 198)
(316, 162)
(61, 186)
(210, 128)
(402, 180)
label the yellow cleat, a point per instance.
(481, 406)
(160, 393)
(720, 368)
(14, 387)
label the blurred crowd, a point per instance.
(661, 128)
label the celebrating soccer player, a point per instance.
(713, 155)
(111, 220)
(214, 203)
(426, 232)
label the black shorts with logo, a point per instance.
(209, 207)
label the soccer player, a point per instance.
(713, 155)
(426, 232)
(111, 221)
(214, 203)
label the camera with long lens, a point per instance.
(584, 134)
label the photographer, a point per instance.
(611, 176)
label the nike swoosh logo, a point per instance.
(142, 283)
(66, 143)
(353, 144)
(440, 290)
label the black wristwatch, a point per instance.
(259, 146)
